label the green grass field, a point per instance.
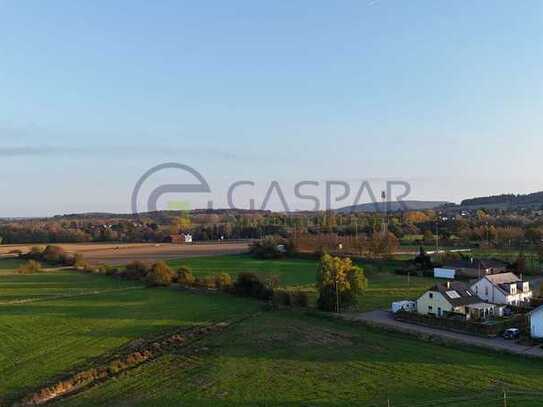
(384, 286)
(285, 358)
(51, 283)
(291, 272)
(45, 337)
(272, 358)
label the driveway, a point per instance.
(385, 319)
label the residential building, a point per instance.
(476, 268)
(536, 323)
(454, 297)
(181, 238)
(505, 288)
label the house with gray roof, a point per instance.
(455, 298)
(504, 288)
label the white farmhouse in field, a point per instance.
(536, 323)
(504, 288)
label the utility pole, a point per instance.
(337, 291)
(337, 297)
(437, 236)
(356, 246)
(504, 398)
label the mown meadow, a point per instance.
(284, 358)
(54, 321)
(384, 285)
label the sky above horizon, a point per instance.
(447, 96)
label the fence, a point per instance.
(487, 329)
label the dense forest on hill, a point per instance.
(506, 200)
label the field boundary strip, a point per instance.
(66, 296)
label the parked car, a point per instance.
(511, 333)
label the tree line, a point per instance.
(498, 228)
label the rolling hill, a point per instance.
(393, 206)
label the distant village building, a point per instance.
(505, 288)
(181, 238)
(455, 298)
(472, 268)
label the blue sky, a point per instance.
(447, 95)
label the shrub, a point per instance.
(269, 247)
(300, 299)
(32, 266)
(67, 260)
(35, 253)
(160, 275)
(112, 271)
(282, 298)
(249, 285)
(205, 282)
(184, 276)
(223, 281)
(90, 269)
(423, 261)
(135, 270)
(79, 261)
(54, 255)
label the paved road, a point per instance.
(385, 319)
